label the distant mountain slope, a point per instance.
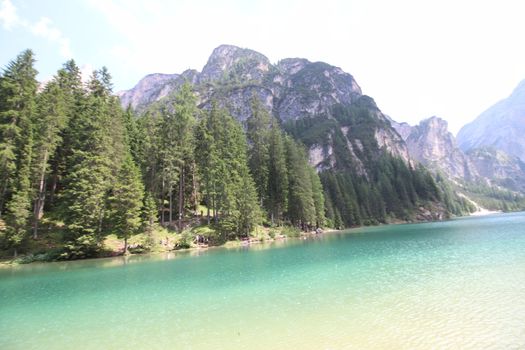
(492, 177)
(500, 168)
(502, 126)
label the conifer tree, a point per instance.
(70, 84)
(17, 106)
(301, 208)
(169, 131)
(51, 120)
(126, 201)
(258, 156)
(277, 175)
(318, 198)
(96, 156)
(209, 162)
(185, 111)
(223, 168)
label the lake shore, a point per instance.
(258, 240)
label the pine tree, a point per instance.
(185, 116)
(301, 208)
(277, 175)
(318, 198)
(258, 156)
(169, 131)
(97, 152)
(126, 201)
(17, 106)
(69, 81)
(51, 120)
(149, 212)
(223, 168)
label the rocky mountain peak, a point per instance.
(292, 65)
(435, 125)
(229, 60)
(434, 146)
(147, 90)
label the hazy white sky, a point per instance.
(420, 58)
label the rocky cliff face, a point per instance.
(229, 62)
(294, 90)
(502, 126)
(154, 87)
(433, 145)
(500, 168)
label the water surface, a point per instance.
(454, 284)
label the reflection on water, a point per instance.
(454, 284)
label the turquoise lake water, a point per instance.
(457, 284)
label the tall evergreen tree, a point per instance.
(318, 198)
(277, 175)
(185, 111)
(17, 106)
(208, 157)
(126, 201)
(169, 131)
(96, 155)
(301, 207)
(51, 120)
(69, 81)
(258, 134)
(223, 167)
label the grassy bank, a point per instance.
(50, 246)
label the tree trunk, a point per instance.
(181, 198)
(2, 196)
(215, 215)
(15, 252)
(194, 188)
(125, 245)
(171, 208)
(40, 199)
(162, 204)
(54, 185)
(99, 229)
(208, 209)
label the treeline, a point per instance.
(493, 197)
(392, 190)
(71, 159)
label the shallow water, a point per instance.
(454, 284)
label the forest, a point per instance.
(77, 167)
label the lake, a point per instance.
(453, 284)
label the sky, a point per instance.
(416, 58)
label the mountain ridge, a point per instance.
(501, 126)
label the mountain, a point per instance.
(493, 178)
(363, 163)
(502, 126)
(152, 88)
(431, 144)
(293, 89)
(499, 168)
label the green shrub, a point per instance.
(291, 231)
(83, 247)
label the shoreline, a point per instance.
(244, 243)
